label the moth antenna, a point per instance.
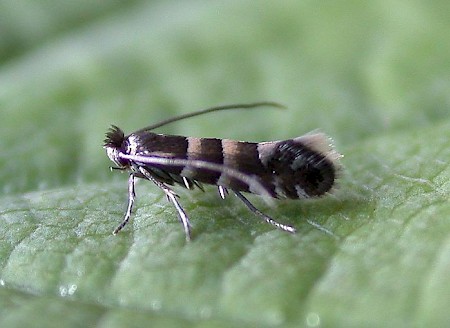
(210, 110)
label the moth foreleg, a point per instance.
(265, 217)
(131, 197)
(171, 197)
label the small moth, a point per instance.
(302, 167)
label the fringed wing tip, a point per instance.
(323, 144)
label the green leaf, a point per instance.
(373, 76)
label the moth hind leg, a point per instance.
(265, 217)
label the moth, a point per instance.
(297, 168)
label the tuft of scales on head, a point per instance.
(114, 144)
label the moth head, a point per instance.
(115, 143)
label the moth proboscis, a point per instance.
(301, 167)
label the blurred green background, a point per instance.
(373, 75)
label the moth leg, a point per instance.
(131, 197)
(265, 217)
(222, 191)
(171, 197)
(182, 216)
